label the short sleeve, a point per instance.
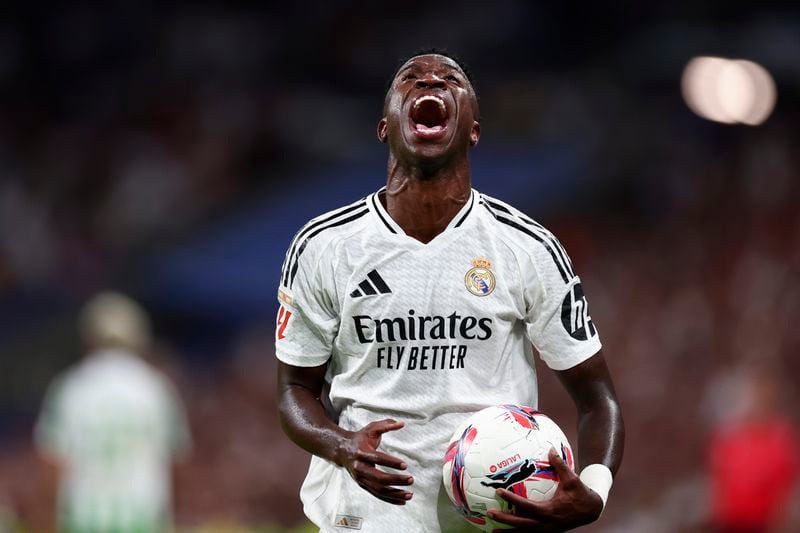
(307, 321)
(49, 433)
(179, 435)
(557, 318)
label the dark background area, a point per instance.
(172, 152)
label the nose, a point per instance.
(430, 81)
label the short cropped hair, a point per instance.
(430, 51)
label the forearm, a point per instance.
(601, 435)
(601, 431)
(304, 420)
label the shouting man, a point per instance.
(407, 311)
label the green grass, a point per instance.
(223, 527)
(217, 527)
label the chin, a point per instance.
(431, 157)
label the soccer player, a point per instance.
(112, 425)
(405, 312)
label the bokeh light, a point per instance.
(728, 91)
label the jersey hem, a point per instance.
(304, 360)
(574, 360)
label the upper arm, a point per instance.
(311, 378)
(308, 318)
(308, 381)
(557, 319)
(589, 382)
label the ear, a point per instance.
(475, 133)
(382, 135)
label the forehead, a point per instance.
(431, 62)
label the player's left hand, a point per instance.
(573, 505)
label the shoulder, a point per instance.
(322, 231)
(510, 216)
(523, 233)
(65, 387)
(70, 379)
(332, 223)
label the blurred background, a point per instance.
(171, 153)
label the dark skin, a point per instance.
(428, 183)
(601, 436)
(428, 179)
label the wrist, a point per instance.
(341, 447)
(599, 479)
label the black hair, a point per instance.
(438, 51)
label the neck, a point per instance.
(422, 200)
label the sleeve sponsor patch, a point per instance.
(575, 315)
(283, 320)
(285, 297)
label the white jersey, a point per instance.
(423, 333)
(114, 425)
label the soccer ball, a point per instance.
(504, 446)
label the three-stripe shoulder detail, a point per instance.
(378, 212)
(506, 215)
(339, 217)
(467, 212)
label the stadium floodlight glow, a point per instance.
(699, 88)
(735, 90)
(766, 94)
(728, 91)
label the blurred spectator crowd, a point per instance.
(136, 129)
(682, 299)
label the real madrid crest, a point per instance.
(480, 278)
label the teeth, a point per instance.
(429, 130)
(433, 98)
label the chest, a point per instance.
(467, 277)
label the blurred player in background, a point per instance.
(753, 457)
(113, 425)
(420, 303)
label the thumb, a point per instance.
(561, 468)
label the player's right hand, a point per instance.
(360, 456)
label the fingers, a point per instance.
(383, 485)
(388, 494)
(529, 507)
(379, 427)
(513, 520)
(561, 468)
(384, 459)
(554, 457)
(393, 496)
(383, 478)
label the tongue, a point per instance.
(428, 114)
(422, 128)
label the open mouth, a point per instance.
(429, 116)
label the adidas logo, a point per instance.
(365, 288)
(349, 522)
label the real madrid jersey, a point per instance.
(424, 333)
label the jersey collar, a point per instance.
(388, 223)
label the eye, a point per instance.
(452, 77)
(408, 77)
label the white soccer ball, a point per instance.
(504, 446)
